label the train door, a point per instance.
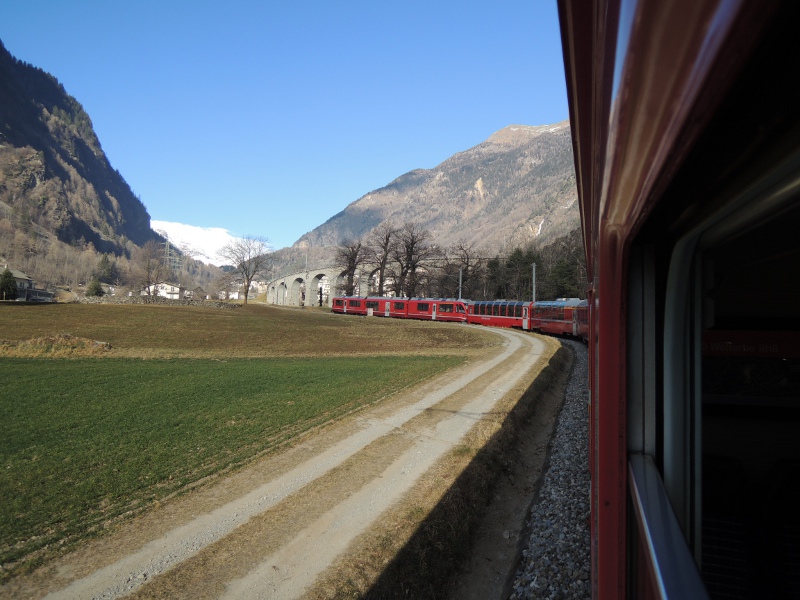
(525, 319)
(387, 308)
(433, 311)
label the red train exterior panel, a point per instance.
(655, 89)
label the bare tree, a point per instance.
(349, 257)
(249, 257)
(379, 248)
(149, 267)
(461, 264)
(413, 254)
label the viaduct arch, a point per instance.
(303, 287)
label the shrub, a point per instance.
(94, 288)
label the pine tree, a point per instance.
(8, 286)
(104, 269)
(94, 288)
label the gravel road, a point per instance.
(197, 537)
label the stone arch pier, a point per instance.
(303, 287)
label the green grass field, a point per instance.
(183, 394)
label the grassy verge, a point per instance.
(84, 441)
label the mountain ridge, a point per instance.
(516, 187)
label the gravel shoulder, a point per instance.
(555, 559)
(271, 529)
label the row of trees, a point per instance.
(404, 261)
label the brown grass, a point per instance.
(55, 346)
(157, 331)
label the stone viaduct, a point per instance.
(303, 288)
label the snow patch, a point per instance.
(201, 243)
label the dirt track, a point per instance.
(272, 529)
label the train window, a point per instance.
(338, 302)
(445, 308)
(460, 308)
(495, 310)
(750, 390)
(355, 303)
(423, 306)
(399, 305)
(373, 305)
(518, 312)
(723, 418)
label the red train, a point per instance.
(428, 309)
(565, 316)
(686, 139)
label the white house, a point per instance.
(166, 290)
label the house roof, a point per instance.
(19, 274)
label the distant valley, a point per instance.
(60, 198)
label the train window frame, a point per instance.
(665, 415)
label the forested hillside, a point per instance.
(54, 177)
(66, 215)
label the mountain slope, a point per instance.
(516, 187)
(54, 175)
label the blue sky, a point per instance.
(267, 118)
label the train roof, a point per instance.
(498, 301)
(559, 302)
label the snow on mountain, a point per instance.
(201, 243)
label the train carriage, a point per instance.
(555, 317)
(396, 307)
(437, 309)
(349, 305)
(686, 138)
(428, 309)
(499, 313)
